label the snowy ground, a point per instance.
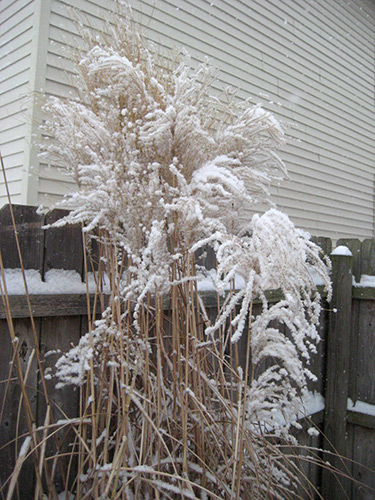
(61, 281)
(56, 281)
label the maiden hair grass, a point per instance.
(167, 412)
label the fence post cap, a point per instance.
(343, 251)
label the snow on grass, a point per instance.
(25, 447)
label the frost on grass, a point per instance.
(164, 169)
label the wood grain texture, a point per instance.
(365, 293)
(47, 305)
(318, 361)
(63, 245)
(337, 374)
(362, 419)
(365, 368)
(324, 243)
(368, 257)
(353, 378)
(355, 247)
(54, 342)
(30, 233)
(13, 426)
(364, 463)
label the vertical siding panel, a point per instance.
(30, 179)
(16, 20)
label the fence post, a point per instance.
(337, 374)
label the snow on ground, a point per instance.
(361, 407)
(60, 281)
(65, 496)
(317, 279)
(366, 281)
(57, 281)
(207, 284)
(314, 403)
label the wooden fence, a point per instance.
(345, 364)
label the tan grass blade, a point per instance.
(22, 456)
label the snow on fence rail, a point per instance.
(344, 364)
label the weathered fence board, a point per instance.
(365, 369)
(363, 463)
(63, 247)
(64, 402)
(318, 361)
(13, 425)
(368, 257)
(355, 247)
(30, 234)
(48, 305)
(337, 373)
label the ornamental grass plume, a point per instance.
(167, 411)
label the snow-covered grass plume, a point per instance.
(163, 169)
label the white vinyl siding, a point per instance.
(316, 59)
(24, 35)
(309, 62)
(16, 22)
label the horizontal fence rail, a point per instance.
(344, 364)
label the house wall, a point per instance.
(24, 32)
(311, 63)
(16, 32)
